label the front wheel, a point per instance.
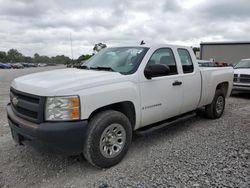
(108, 138)
(216, 108)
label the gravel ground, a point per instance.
(197, 153)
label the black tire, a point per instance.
(98, 124)
(211, 110)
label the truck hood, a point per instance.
(63, 81)
(242, 71)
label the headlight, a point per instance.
(62, 108)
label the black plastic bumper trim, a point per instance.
(57, 137)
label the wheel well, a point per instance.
(223, 87)
(126, 107)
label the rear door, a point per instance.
(191, 80)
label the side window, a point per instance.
(186, 61)
(164, 56)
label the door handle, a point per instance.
(177, 83)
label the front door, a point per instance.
(161, 97)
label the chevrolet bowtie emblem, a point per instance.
(14, 101)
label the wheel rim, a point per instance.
(219, 104)
(112, 140)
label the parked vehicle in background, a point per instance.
(25, 64)
(42, 64)
(77, 65)
(69, 65)
(5, 66)
(32, 65)
(29, 64)
(232, 65)
(221, 64)
(210, 63)
(17, 66)
(51, 64)
(206, 63)
(9, 65)
(242, 76)
(95, 110)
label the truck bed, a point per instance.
(210, 76)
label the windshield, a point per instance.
(121, 59)
(243, 64)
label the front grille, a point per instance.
(242, 78)
(27, 106)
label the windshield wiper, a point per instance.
(103, 68)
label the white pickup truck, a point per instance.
(94, 110)
(242, 76)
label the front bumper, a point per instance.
(241, 87)
(57, 137)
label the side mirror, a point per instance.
(156, 70)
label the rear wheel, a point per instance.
(216, 108)
(108, 138)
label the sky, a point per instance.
(44, 27)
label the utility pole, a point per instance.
(72, 57)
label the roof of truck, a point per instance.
(155, 46)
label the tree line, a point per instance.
(14, 56)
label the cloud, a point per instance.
(45, 26)
(22, 8)
(225, 10)
(171, 6)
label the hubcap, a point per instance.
(219, 104)
(112, 140)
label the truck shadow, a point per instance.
(240, 95)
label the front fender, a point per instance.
(97, 97)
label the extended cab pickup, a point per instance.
(95, 109)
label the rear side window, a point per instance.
(186, 60)
(164, 56)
